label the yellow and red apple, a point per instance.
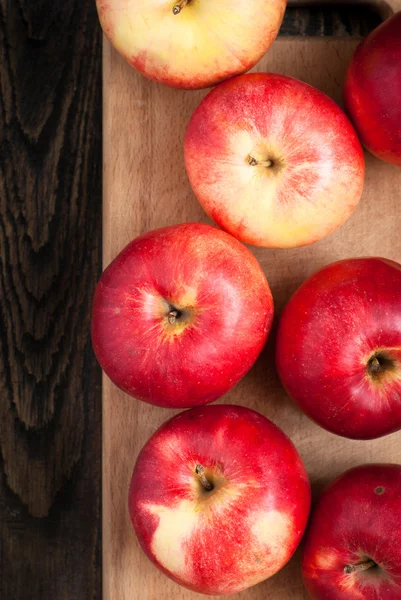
(180, 315)
(273, 161)
(219, 499)
(191, 44)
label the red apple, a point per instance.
(191, 44)
(180, 315)
(273, 161)
(219, 499)
(372, 91)
(353, 543)
(339, 347)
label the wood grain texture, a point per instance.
(144, 126)
(50, 237)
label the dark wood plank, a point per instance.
(50, 237)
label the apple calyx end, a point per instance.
(364, 566)
(200, 471)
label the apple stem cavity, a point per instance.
(364, 566)
(200, 471)
(177, 8)
(259, 163)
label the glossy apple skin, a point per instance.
(247, 527)
(372, 91)
(227, 308)
(357, 518)
(317, 175)
(206, 42)
(341, 317)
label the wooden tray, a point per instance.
(145, 186)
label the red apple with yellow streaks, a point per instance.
(273, 161)
(339, 347)
(191, 44)
(219, 499)
(372, 91)
(180, 315)
(352, 548)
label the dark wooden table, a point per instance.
(50, 259)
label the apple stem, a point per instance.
(360, 567)
(177, 8)
(374, 364)
(259, 163)
(172, 316)
(200, 471)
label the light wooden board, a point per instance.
(145, 186)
